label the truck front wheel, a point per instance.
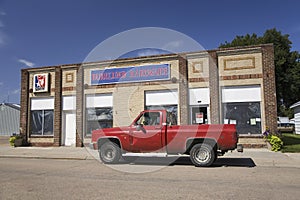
(109, 153)
(202, 155)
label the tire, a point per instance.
(110, 153)
(203, 155)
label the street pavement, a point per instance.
(250, 157)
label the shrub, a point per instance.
(275, 142)
(12, 140)
(273, 139)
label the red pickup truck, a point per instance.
(157, 131)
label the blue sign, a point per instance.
(131, 74)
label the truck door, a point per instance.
(146, 132)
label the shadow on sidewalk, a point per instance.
(220, 162)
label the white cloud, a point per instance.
(26, 62)
(16, 91)
(173, 46)
(149, 52)
(2, 37)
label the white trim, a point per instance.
(241, 94)
(164, 97)
(99, 101)
(69, 102)
(42, 104)
(199, 96)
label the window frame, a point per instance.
(42, 123)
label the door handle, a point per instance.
(158, 127)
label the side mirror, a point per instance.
(139, 127)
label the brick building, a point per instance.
(61, 105)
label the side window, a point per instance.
(171, 118)
(149, 119)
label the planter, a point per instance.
(18, 142)
(269, 145)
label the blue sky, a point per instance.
(35, 33)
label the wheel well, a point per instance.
(101, 141)
(192, 141)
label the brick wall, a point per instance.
(24, 103)
(183, 90)
(57, 107)
(264, 61)
(269, 87)
(79, 107)
(214, 88)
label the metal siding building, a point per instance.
(296, 108)
(9, 119)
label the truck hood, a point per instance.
(108, 132)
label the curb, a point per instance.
(45, 157)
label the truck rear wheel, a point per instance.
(203, 155)
(109, 153)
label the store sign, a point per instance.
(199, 118)
(40, 83)
(131, 74)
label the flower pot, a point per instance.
(18, 142)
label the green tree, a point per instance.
(287, 66)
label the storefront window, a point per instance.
(97, 118)
(42, 122)
(245, 115)
(171, 109)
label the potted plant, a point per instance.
(16, 140)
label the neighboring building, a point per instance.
(9, 119)
(61, 105)
(296, 108)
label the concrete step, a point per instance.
(253, 142)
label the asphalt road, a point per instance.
(89, 179)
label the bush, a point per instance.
(12, 140)
(273, 139)
(275, 142)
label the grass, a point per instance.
(291, 143)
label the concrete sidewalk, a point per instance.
(259, 157)
(71, 153)
(266, 158)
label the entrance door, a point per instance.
(70, 129)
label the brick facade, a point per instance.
(214, 88)
(269, 88)
(79, 107)
(183, 90)
(241, 66)
(57, 107)
(24, 103)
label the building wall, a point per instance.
(297, 118)
(214, 69)
(9, 118)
